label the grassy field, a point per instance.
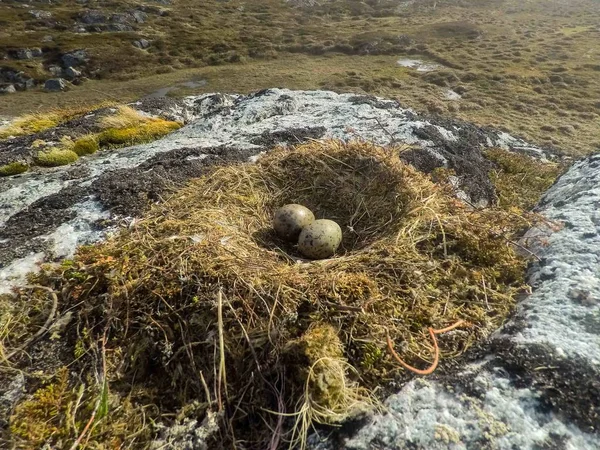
(531, 68)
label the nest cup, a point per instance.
(202, 285)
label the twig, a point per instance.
(46, 325)
(222, 376)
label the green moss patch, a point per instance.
(143, 132)
(13, 168)
(520, 180)
(55, 157)
(86, 146)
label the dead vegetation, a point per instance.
(198, 310)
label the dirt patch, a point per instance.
(131, 191)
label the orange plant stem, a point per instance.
(427, 371)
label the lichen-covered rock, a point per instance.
(55, 85)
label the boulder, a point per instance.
(93, 17)
(75, 58)
(7, 89)
(71, 73)
(55, 85)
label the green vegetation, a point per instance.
(86, 145)
(13, 168)
(145, 132)
(55, 157)
(182, 307)
(520, 180)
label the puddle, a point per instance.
(420, 66)
(162, 92)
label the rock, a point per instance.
(38, 14)
(36, 52)
(75, 58)
(121, 27)
(47, 38)
(71, 73)
(56, 71)
(55, 85)
(23, 53)
(142, 43)
(93, 17)
(7, 89)
(139, 16)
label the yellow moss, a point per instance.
(13, 168)
(143, 132)
(86, 145)
(56, 157)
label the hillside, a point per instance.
(530, 68)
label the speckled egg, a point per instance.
(320, 239)
(291, 219)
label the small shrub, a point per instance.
(87, 145)
(56, 157)
(13, 168)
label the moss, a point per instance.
(520, 180)
(56, 157)
(85, 146)
(13, 168)
(45, 415)
(144, 132)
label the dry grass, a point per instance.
(200, 302)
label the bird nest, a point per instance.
(202, 301)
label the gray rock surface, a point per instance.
(537, 384)
(55, 85)
(71, 73)
(75, 58)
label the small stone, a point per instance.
(56, 71)
(23, 53)
(141, 43)
(38, 14)
(55, 85)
